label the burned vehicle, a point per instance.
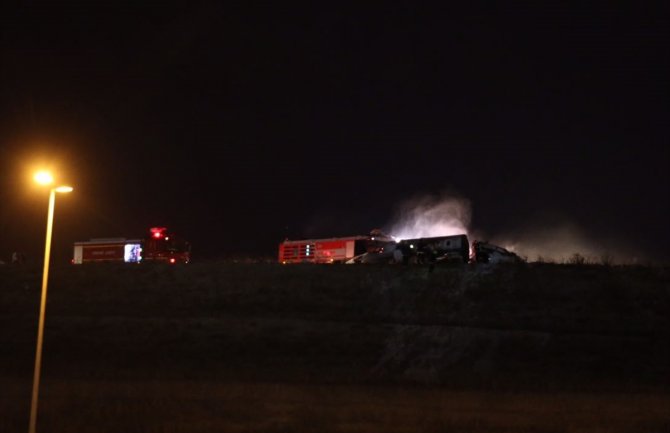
(484, 252)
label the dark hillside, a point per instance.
(547, 329)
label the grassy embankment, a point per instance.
(243, 347)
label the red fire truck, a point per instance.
(331, 250)
(159, 246)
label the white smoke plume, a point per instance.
(430, 216)
(549, 238)
(565, 242)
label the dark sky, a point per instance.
(237, 126)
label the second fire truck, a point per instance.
(159, 246)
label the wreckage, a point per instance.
(378, 247)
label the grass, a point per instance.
(199, 406)
(261, 347)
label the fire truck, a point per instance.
(331, 250)
(159, 246)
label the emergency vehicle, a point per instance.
(159, 246)
(331, 250)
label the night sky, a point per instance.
(238, 126)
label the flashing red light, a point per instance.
(157, 232)
(172, 260)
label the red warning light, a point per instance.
(157, 232)
(172, 260)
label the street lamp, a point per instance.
(43, 178)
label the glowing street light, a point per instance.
(43, 178)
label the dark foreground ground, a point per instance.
(267, 348)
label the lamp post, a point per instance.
(43, 178)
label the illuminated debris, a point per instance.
(484, 252)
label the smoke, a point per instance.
(549, 237)
(431, 215)
(565, 242)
